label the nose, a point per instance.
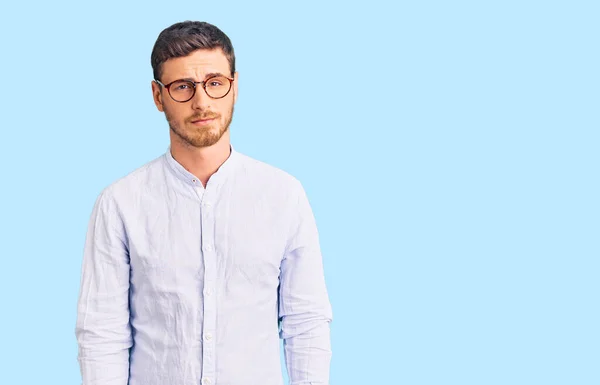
(201, 101)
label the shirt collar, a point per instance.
(190, 178)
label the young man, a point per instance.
(198, 262)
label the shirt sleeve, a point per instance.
(304, 308)
(102, 329)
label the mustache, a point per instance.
(202, 117)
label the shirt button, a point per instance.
(206, 204)
(208, 248)
(206, 381)
(208, 292)
(208, 337)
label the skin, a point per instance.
(199, 148)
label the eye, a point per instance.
(217, 82)
(181, 87)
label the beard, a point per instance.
(204, 136)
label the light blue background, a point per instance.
(452, 165)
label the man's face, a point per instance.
(201, 121)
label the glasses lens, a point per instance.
(182, 90)
(217, 87)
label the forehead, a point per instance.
(196, 65)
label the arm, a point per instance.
(103, 332)
(304, 308)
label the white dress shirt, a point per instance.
(187, 285)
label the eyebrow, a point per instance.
(208, 76)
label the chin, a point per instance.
(205, 140)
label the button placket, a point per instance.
(209, 252)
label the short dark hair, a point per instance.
(181, 39)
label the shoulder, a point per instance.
(266, 175)
(133, 184)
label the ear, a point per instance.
(157, 96)
(235, 87)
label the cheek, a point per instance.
(175, 112)
(226, 110)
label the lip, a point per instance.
(201, 122)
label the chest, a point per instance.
(185, 240)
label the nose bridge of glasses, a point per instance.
(203, 94)
(201, 84)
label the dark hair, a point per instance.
(181, 39)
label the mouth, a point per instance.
(203, 121)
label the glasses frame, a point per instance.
(203, 83)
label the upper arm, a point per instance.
(103, 305)
(303, 293)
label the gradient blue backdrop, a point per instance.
(449, 150)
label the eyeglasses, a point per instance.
(181, 91)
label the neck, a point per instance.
(201, 162)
